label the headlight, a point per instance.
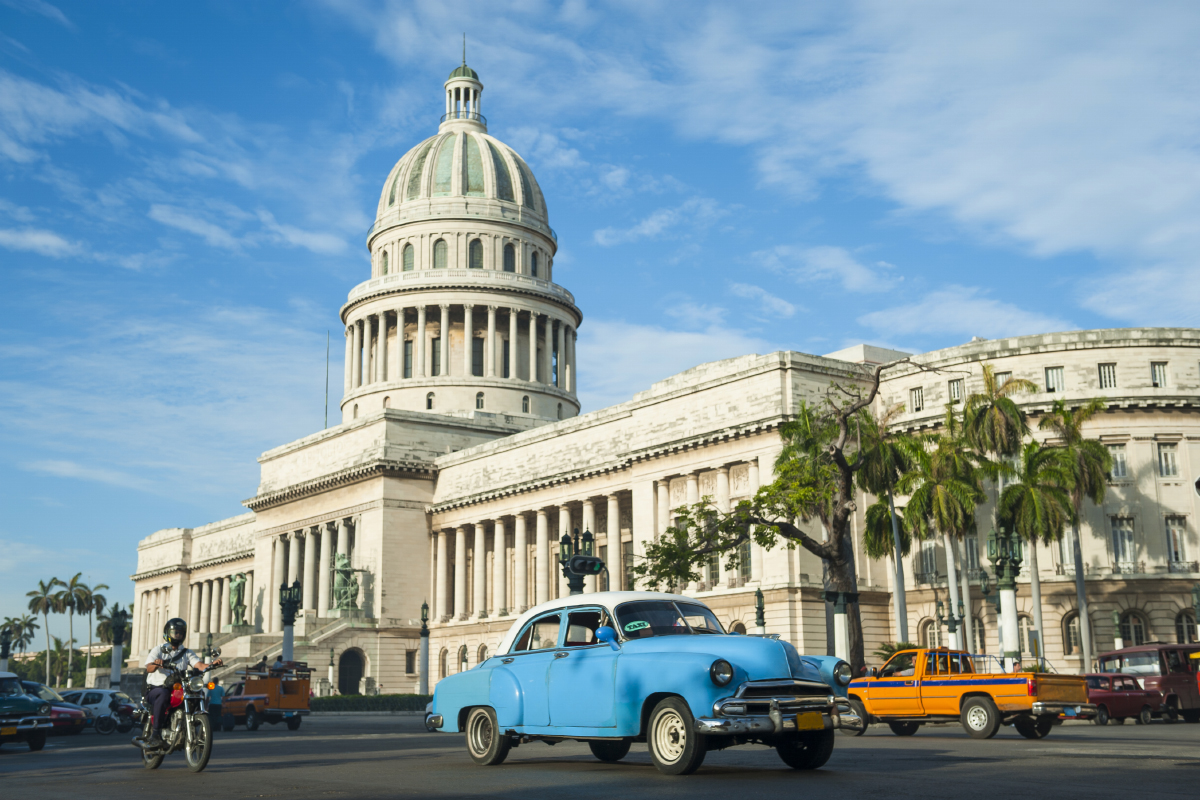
(843, 674)
(196, 683)
(721, 672)
(43, 709)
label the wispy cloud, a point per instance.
(185, 220)
(42, 242)
(692, 213)
(40, 7)
(70, 469)
(805, 264)
(964, 311)
(771, 305)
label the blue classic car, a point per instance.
(614, 668)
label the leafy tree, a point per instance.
(24, 628)
(44, 600)
(91, 601)
(71, 597)
(889, 649)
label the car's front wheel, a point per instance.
(1144, 716)
(675, 746)
(1101, 717)
(487, 745)
(806, 750)
(36, 740)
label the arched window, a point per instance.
(429, 402)
(387, 402)
(483, 653)
(479, 400)
(533, 265)
(475, 254)
(525, 404)
(1024, 625)
(444, 665)
(980, 632)
(356, 411)
(383, 263)
(510, 258)
(930, 634)
(439, 254)
(1185, 627)
(1133, 629)
(560, 410)
(1072, 641)
(462, 659)
(408, 258)
(737, 627)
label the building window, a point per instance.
(477, 357)
(1168, 466)
(956, 389)
(1133, 629)
(429, 402)
(356, 411)
(475, 254)
(525, 404)
(439, 254)
(408, 258)
(1185, 627)
(713, 572)
(1024, 626)
(1176, 531)
(627, 567)
(387, 402)
(744, 556)
(916, 400)
(1124, 549)
(408, 358)
(510, 258)
(462, 659)
(479, 400)
(971, 555)
(436, 356)
(738, 628)
(930, 634)
(1158, 374)
(980, 633)
(560, 411)
(1071, 639)
(483, 653)
(1108, 376)
(1066, 549)
(1003, 378)
(444, 665)
(383, 263)
(410, 662)
(927, 561)
(533, 265)
(1054, 379)
(1120, 468)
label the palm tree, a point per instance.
(43, 600)
(61, 657)
(992, 422)
(72, 598)
(25, 627)
(90, 601)
(885, 457)
(1088, 464)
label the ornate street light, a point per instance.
(1005, 552)
(289, 604)
(1196, 595)
(118, 620)
(760, 607)
(5, 643)
(423, 680)
(577, 561)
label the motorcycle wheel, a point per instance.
(105, 725)
(150, 761)
(199, 749)
(124, 725)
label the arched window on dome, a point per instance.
(533, 265)
(560, 411)
(383, 263)
(408, 258)
(392, 193)
(355, 411)
(387, 402)
(475, 252)
(525, 404)
(439, 254)
(479, 400)
(429, 402)
(510, 258)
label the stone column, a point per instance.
(223, 617)
(194, 611)
(271, 597)
(250, 618)
(468, 338)
(616, 563)
(513, 316)
(756, 552)
(560, 377)
(442, 603)
(309, 583)
(499, 568)
(382, 352)
(293, 566)
(205, 606)
(548, 353)
(479, 572)
(343, 540)
(489, 348)
(357, 354)
(664, 507)
(520, 597)
(541, 556)
(533, 341)
(722, 500)
(349, 367)
(368, 351)
(444, 335)
(589, 524)
(419, 344)
(693, 497)
(564, 526)
(323, 586)
(460, 573)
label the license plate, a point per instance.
(810, 721)
(8, 731)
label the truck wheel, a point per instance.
(486, 743)
(862, 714)
(675, 747)
(1170, 714)
(980, 717)
(611, 751)
(1034, 728)
(1144, 716)
(36, 740)
(806, 750)
(904, 728)
(1101, 717)
(293, 723)
(253, 720)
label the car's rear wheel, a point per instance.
(806, 750)
(675, 747)
(36, 740)
(293, 723)
(1144, 716)
(980, 717)
(1034, 728)
(486, 744)
(1101, 717)
(612, 750)
(904, 728)
(861, 711)
(253, 720)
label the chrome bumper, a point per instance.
(433, 722)
(26, 724)
(1056, 707)
(778, 720)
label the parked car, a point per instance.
(1166, 668)
(1121, 697)
(23, 717)
(614, 668)
(68, 718)
(98, 701)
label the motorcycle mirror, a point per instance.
(608, 636)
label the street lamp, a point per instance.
(950, 622)
(577, 561)
(423, 681)
(841, 627)
(760, 619)
(1005, 553)
(5, 644)
(1196, 598)
(118, 620)
(289, 604)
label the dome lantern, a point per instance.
(463, 89)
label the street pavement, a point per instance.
(367, 757)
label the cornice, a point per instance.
(158, 573)
(379, 468)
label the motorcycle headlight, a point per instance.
(843, 674)
(196, 683)
(721, 672)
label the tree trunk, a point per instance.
(1085, 622)
(70, 640)
(1035, 591)
(89, 652)
(951, 583)
(968, 620)
(900, 594)
(842, 578)
(46, 619)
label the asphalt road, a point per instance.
(367, 757)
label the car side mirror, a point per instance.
(608, 636)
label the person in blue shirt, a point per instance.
(216, 696)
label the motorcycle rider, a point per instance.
(170, 652)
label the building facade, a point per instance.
(461, 458)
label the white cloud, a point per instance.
(771, 305)
(42, 8)
(964, 311)
(825, 264)
(544, 149)
(1167, 294)
(694, 212)
(316, 241)
(188, 221)
(42, 242)
(70, 469)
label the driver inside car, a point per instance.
(170, 653)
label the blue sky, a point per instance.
(186, 188)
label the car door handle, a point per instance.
(561, 654)
(908, 683)
(506, 661)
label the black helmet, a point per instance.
(174, 632)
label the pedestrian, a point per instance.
(216, 697)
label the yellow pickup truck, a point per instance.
(921, 687)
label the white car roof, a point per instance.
(609, 600)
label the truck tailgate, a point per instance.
(1064, 688)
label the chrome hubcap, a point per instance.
(479, 733)
(977, 718)
(670, 736)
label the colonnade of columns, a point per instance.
(152, 610)
(462, 102)
(368, 360)
(208, 603)
(307, 555)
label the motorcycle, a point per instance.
(119, 718)
(187, 726)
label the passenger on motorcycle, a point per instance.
(170, 653)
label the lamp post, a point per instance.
(1196, 597)
(118, 620)
(950, 622)
(423, 680)
(5, 644)
(1004, 551)
(841, 628)
(1118, 639)
(331, 691)
(289, 604)
(760, 619)
(575, 557)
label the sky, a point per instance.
(185, 191)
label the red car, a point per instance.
(1121, 697)
(67, 717)
(1165, 667)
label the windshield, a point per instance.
(1133, 664)
(124, 698)
(46, 693)
(645, 618)
(11, 687)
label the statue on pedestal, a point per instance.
(237, 600)
(345, 585)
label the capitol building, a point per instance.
(462, 458)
